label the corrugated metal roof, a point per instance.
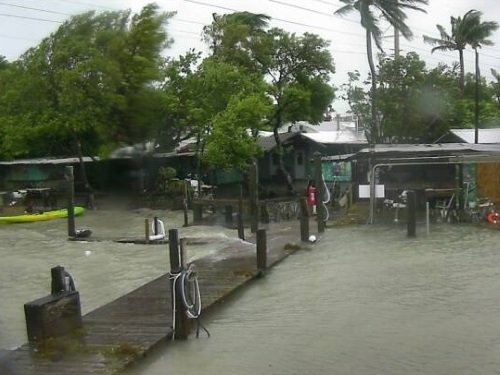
(86, 159)
(337, 137)
(484, 135)
(267, 143)
(431, 148)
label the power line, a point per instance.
(332, 15)
(86, 4)
(17, 38)
(277, 19)
(29, 18)
(37, 9)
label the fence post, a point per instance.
(254, 197)
(228, 212)
(146, 230)
(411, 213)
(304, 220)
(241, 229)
(261, 250)
(58, 283)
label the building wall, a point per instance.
(488, 181)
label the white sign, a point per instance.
(364, 191)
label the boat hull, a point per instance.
(48, 215)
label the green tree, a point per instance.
(230, 37)
(298, 69)
(495, 85)
(392, 11)
(417, 105)
(215, 112)
(457, 40)
(179, 87)
(88, 85)
(478, 36)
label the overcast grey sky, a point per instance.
(23, 23)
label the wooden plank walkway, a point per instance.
(121, 332)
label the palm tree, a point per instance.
(478, 36)
(394, 12)
(461, 29)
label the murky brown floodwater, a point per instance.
(365, 300)
(103, 271)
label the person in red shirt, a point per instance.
(311, 196)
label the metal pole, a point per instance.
(70, 179)
(427, 218)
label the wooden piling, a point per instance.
(146, 230)
(197, 213)
(241, 229)
(70, 191)
(185, 203)
(57, 314)
(411, 213)
(304, 220)
(261, 250)
(228, 211)
(58, 283)
(182, 324)
(254, 197)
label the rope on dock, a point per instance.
(186, 284)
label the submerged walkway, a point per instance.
(126, 329)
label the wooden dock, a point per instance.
(118, 334)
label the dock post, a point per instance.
(197, 213)
(320, 192)
(55, 315)
(185, 204)
(261, 250)
(146, 230)
(411, 213)
(304, 220)
(241, 229)
(58, 283)
(254, 197)
(70, 189)
(228, 216)
(427, 218)
(181, 323)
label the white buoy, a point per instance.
(312, 238)
(88, 252)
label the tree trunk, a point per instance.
(88, 189)
(281, 163)
(374, 130)
(462, 72)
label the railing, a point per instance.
(277, 211)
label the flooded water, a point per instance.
(365, 300)
(103, 271)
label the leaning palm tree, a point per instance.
(478, 36)
(392, 11)
(461, 29)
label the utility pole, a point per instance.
(396, 39)
(396, 43)
(476, 101)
